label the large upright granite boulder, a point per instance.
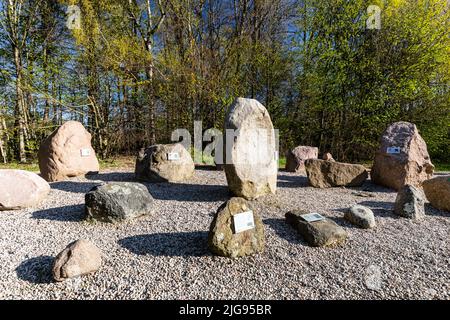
(402, 158)
(437, 191)
(21, 189)
(164, 163)
(118, 201)
(223, 239)
(295, 158)
(250, 158)
(67, 152)
(325, 174)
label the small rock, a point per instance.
(361, 216)
(363, 194)
(437, 191)
(118, 201)
(323, 233)
(327, 157)
(78, 258)
(410, 203)
(325, 174)
(21, 189)
(164, 163)
(225, 242)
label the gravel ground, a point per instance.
(165, 256)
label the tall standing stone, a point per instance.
(250, 156)
(295, 158)
(67, 152)
(402, 159)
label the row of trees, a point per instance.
(133, 71)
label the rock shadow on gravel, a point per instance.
(285, 231)
(73, 186)
(37, 270)
(292, 181)
(176, 244)
(380, 208)
(73, 213)
(188, 192)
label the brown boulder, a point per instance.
(78, 258)
(223, 239)
(21, 189)
(325, 174)
(437, 191)
(402, 159)
(327, 157)
(67, 152)
(295, 158)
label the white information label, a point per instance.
(243, 221)
(393, 150)
(311, 217)
(85, 152)
(173, 156)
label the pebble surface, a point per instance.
(165, 255)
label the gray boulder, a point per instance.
(223, 239)
(410, 203)
(323, 233)
(360, 216)
(164, 163)
(295, 158)
(118, 201)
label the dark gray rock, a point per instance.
(321, 233)
(360, 216)
(410, 203)
(118, 201)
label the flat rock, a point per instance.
(295, 158)
(410, 203)
(250, 162)
(21, 189)
(118, 201)
(410, 164)
(325, 174)
(164, 163)
(78, 258)
(67, 152)
(361, 216)
(437, 191)
(222, 238)
(323, 233)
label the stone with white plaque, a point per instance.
(164, 163)
(237, 230)
(318, 231)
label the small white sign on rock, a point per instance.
(173, 156)
(243, 221)
(85, 152)
(393, 150)
(311, 217)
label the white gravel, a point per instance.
(165, 256)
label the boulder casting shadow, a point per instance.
(174, 244)
(36, 270)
